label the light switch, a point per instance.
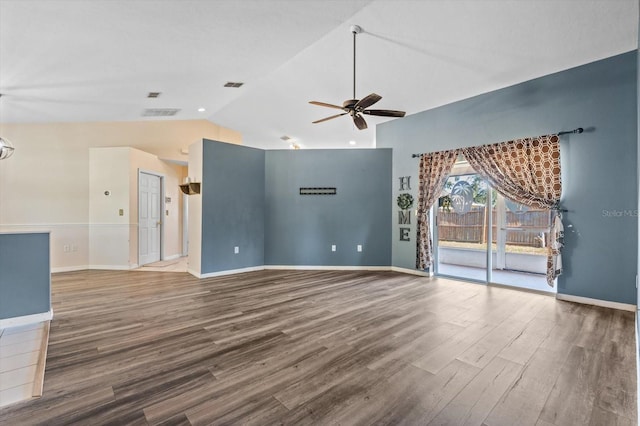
(333, 247)
(121, 212)
(236, 249)
(359, 247)
(167, 212)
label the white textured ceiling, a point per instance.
(96, 60)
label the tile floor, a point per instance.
(175, 265)
(19, 354)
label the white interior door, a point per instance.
(149, 217)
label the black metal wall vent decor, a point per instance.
(318, 191)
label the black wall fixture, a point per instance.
(318, 191)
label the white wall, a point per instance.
(44, 186)
(195, 210)
(108, 231)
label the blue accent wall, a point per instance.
(25, 277)
(232, 207)
(599, 167)
(300, 229)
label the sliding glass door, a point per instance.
(519, 253)
(462, 228)
(484, 237)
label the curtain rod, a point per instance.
(564, 132)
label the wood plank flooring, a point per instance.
(325, 347)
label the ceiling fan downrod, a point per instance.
(355, 29)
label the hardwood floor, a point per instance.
(318, 347)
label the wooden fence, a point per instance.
(472, 226)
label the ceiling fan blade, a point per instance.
(325, 105)
(367, 101)
(329, 118)
(359, 122)
(384, 112)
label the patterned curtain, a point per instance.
(434, 169)
(527, 171)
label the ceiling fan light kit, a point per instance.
(6, 148)
(356, 107)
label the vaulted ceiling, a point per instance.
(75, 61)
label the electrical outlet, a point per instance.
(66, 248)
(333, 247)
(236, 249)
(359, 247)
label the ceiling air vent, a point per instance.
(160, 112)
(153, 94)
(233, 84)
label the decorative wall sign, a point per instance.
(404, 217)
(405, 201)
(404, 234)
(318, 191)
(405, 183)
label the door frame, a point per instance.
(185, 225)
(162, 209)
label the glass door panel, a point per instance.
(462, 228)
(518, 250)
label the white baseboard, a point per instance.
(411, 271)
(327, 268)
(309, 268)
(69, 268)
(26, 319)
(112, 267)
(229, 272)
(98, 267)
(173, 256)
(596, 302)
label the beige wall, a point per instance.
(108, 231)
(45, 184)
(195, 210)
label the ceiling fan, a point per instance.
(356, 107)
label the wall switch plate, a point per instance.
(121, 212)
(333, 247)
(359, 247)
(66, 248)
(236, 249)
(167, 212)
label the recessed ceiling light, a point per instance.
(352, 142)
(235, 84)
(201, 110)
